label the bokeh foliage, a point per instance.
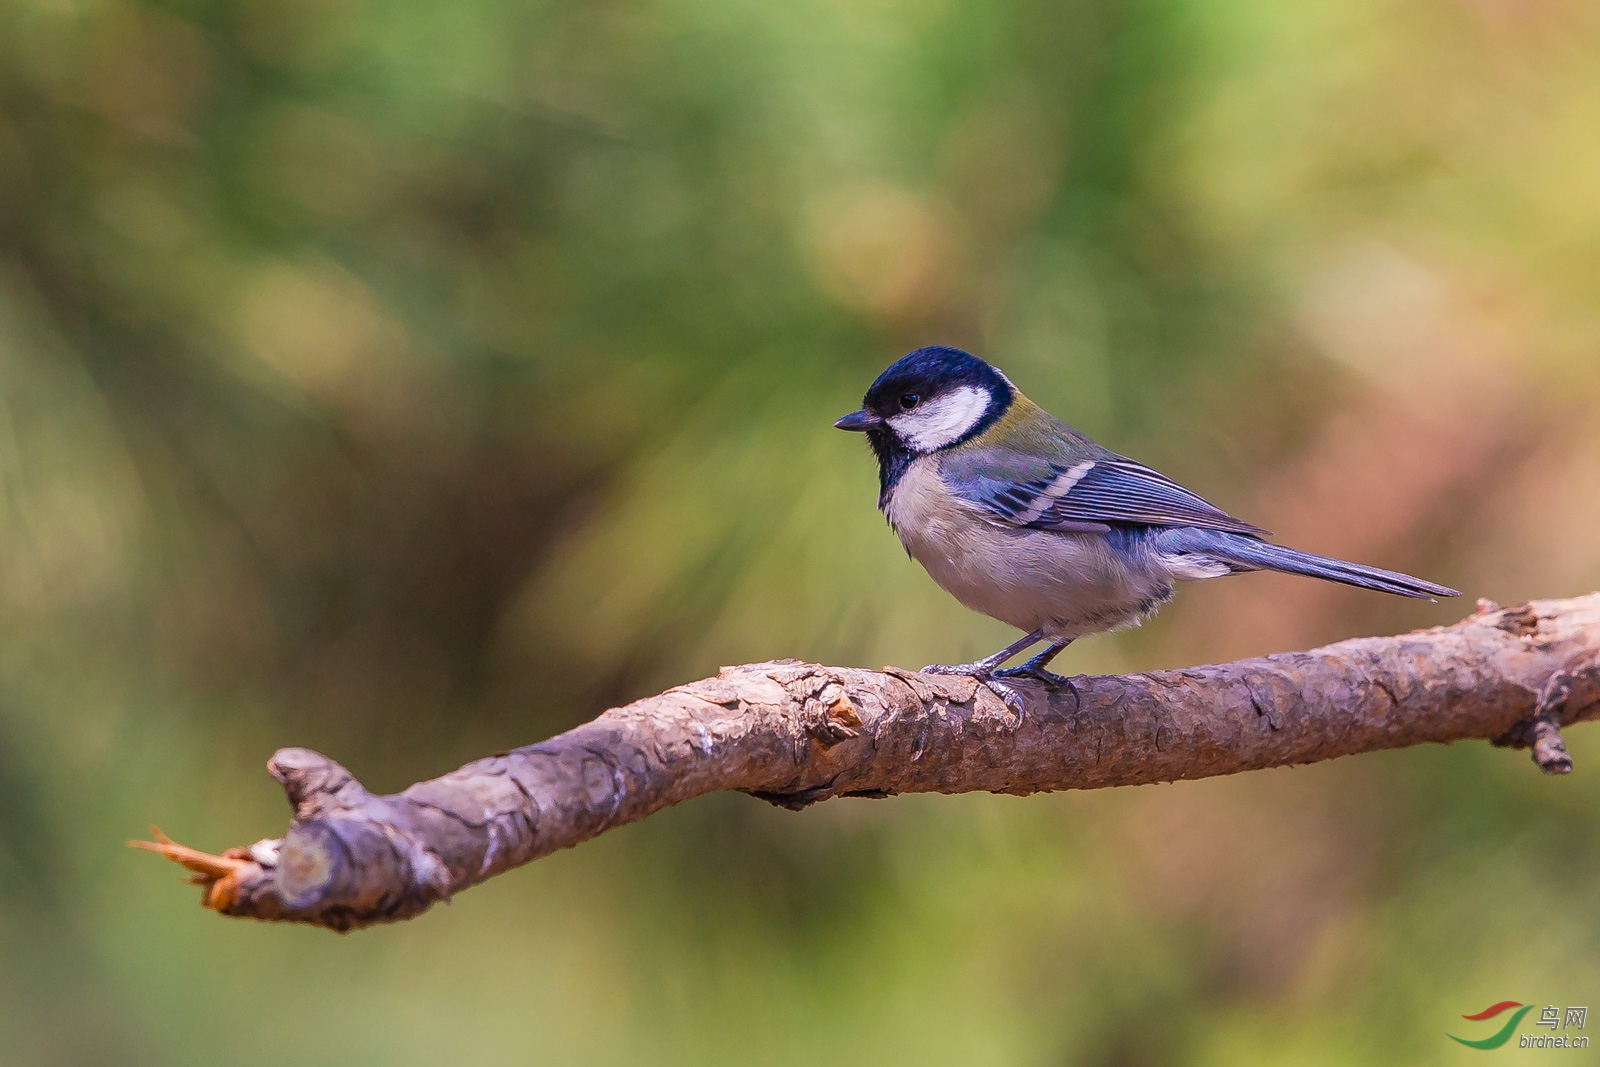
(412, 380)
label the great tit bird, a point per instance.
(1021, 517)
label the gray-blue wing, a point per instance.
(1095, 494)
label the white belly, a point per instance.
(1066, 584)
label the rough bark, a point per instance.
(796, 733)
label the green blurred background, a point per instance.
(413, 380)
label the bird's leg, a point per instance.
(983, 668)
(1035, 667)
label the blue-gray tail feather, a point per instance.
(1244, 553)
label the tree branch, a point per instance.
(796, 733)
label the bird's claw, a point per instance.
(1039, 674)
(985, 675)
(1012, 698)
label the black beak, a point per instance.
(859, 421)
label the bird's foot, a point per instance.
(1038, 674)
(1006, 693)
(985, 673)
(983, 669)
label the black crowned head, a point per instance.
(933, 398)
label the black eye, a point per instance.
(909, 401)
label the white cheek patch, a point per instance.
(942, 420)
